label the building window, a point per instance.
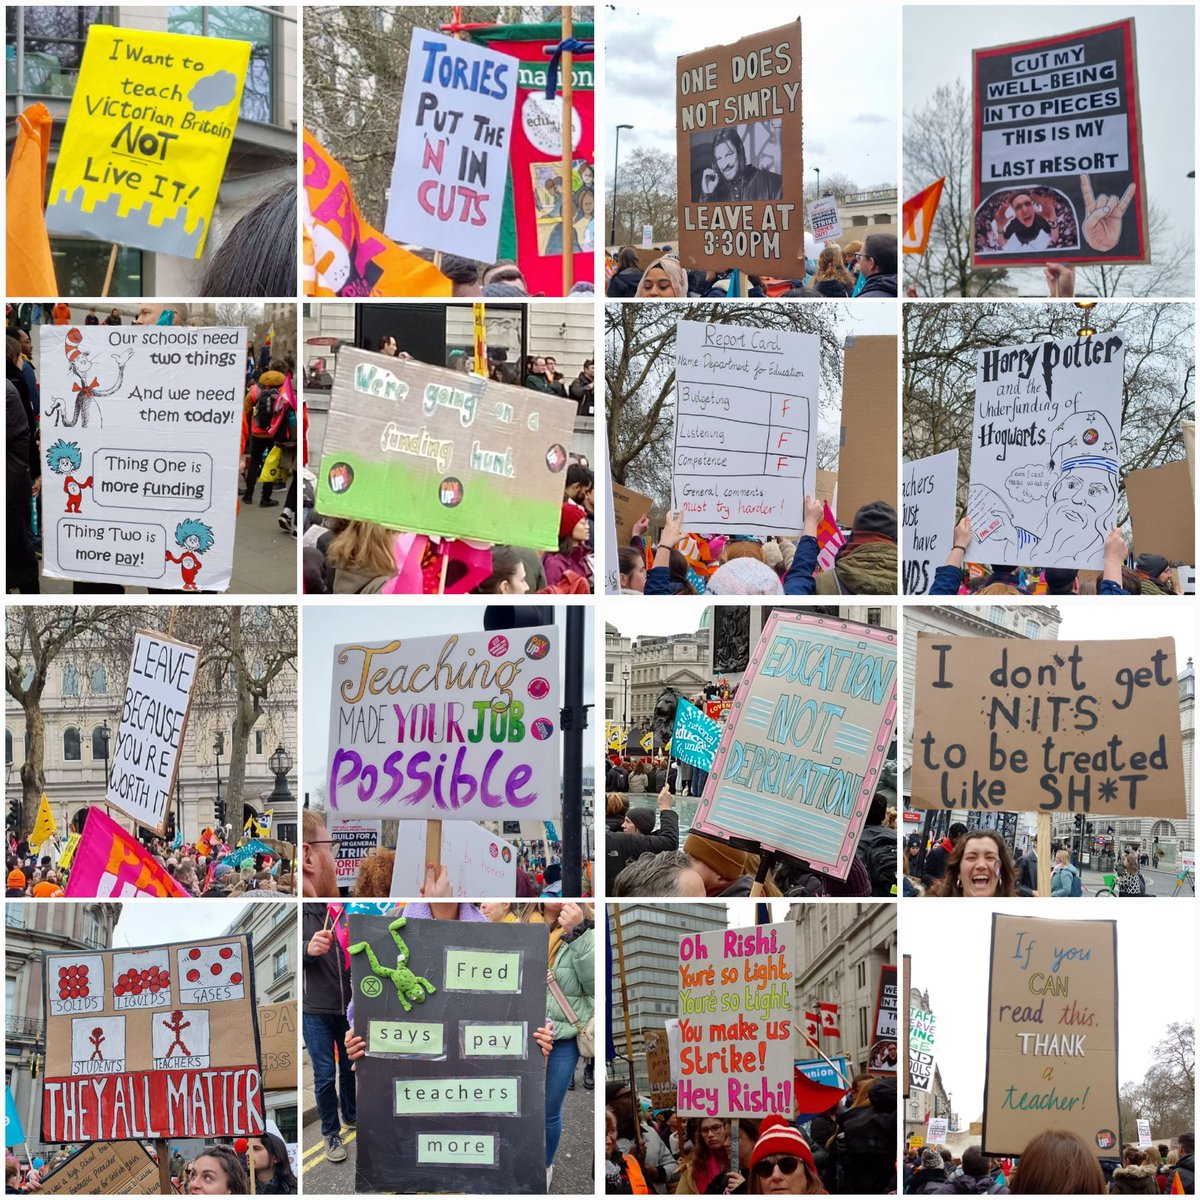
(882, 219)
(858, 220)
(99, 744)
(258, 741)
(70, 680)
(8, 747)
(72, 751)
(53, 39)
(874, 616)
(1031, 628)
(95, 930)
(609, 672)
(996, 615)
(864, 1036)
(98, 681)
(243, 24)
(279, 962)
(862, 974)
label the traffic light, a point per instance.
(14, 816)
(219, 812)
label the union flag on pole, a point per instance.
(918, 216)
(829, 1015)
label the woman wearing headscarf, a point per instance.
(664, 279)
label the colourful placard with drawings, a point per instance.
(109, 862)
(802, 749)
(151, 125)
(695, 737)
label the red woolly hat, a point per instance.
(777, 1136)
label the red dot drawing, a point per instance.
(62, 972)
(226, 951)
(193, 953)
(216, 968)
(193, 976)
(236, 977)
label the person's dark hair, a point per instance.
(231, 1164)
(458, 269)
(730, 137)
(947, 1157)
(628, 558)
(951, 885)
(1060, 581)
(677, 570)
(505, 562)
(877, 812)
(882, 248)
(1057, 1162)
(1187, 1143)
(277, 1152)
(975, 1163)
(577, 473)
(588, 362)
(627, 259)
(258, 256)
(956, 831)
(803, 292)
(12, 349)
(652, 875)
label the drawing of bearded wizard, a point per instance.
(1079, 513)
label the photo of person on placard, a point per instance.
(1024, 220)
(738, 163)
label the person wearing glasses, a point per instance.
(781, 1163)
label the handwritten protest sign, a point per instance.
(804, 743)
(921, 1026)
(140, 444)
(451, 1093)
(695, 737)
(1058, 173)
(104, 1169)
(1162, 510)
(415, 447)
(740, 162)
(151, 124)
(158, 697)
(1047, 726)
(823, 219)
(1052, 1034)
(478, 862)
(1046, 451)
(109, 862)
(658, 1068)
(452, 149)
(462, 727)
(628, 508)
(354, 841)
(884, 1059)
(735, 1022)
(930, 490)
(277, 1025)
(745, 427)
(151, 1042)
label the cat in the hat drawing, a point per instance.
(85, 384)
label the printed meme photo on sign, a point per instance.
(451, 448)
(1048, 449)
(152, 447)
(152, 151)
(459, 763)
(150, 752)
(143, 1067)
(748, 168)
(1050, 752)
(752, 754)
(751, 449)
(1043, 1059)
(416, 1089)
(447, 153)
(752, 1049)
(1048, 165)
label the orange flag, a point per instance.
(1177, 1188)
(30, 264)
(918, 217)
(343, 255)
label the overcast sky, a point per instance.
(950, 945)
(850, 97)
(142, 923)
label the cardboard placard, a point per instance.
(421, 448)
(1162, 510)
(867, 459)
(479, 863)
(827, 487)
(152, 1042)
(745, 449)
(628, 508)
(451, 1093)
(158, 699)
(1036, 726)
(460, 727)
(104, 1169)
(277, 1025)
(658, 1068)
(801, 751)
(451, 162)
(930, 499)
(647, 236)
(921, 1027)
(884, 1059)
(695, 737)
(1058, 170)
(736, 1022)
(823, 219)
(140, 434)
(1046, 452)
(1052, 1034)
(151, 125)
(356, 841)
(739, 133)
(109, 862)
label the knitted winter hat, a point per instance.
(643, 818)
(571, 515)
(776, 1136)
(728, 862)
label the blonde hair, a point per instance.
(1063, 856)
(831, 266)
(364, 546)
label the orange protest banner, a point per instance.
(30, 264)
(918, 216)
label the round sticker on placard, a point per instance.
(341, 476)
(493, 850)
(539, 688)
(542, 728)
(538, 646)
(498, 646)
(542, 121)
(556, 458)
(450, 491)
(370, 986)
(506, 854)
(1105, 1139)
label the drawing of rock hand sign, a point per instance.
(1102, 225)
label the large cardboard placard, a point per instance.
(108, 862)
(736, 1017)
(1034, 726)
(158, 698)
(451, 1093)
(628, 508)
(152, 1042)
(479, 863)
(355, 841)
(884, 1058)
(1052, 1034)
(1162, 510)
(801, 751)
(745, 451)
(1058, 172)
(278, 1024)
(921, 1027)
(104, 1169)
(452, 148)
(420, 448)
(930, 500)
(140, 430)
(461, 727)
(741, 169)
(867, 458)
(658, 1068)
(1046, 451)
(151, 125)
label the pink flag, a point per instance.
(830, 539)
(112, 863)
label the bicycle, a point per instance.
(1185, 876)
(1109, 888)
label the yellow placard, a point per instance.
(146, 140)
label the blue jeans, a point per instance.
(321, 1034)
(560, 1068)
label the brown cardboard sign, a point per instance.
(1034, 726)
(628, 507)
(1052, 1034)
(104, 1169)
(152, 1042)
(658, 1068)
(826, 486)
(740, 160)
(867, 457)
(277, 1025)
(1162, 509)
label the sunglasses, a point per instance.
(766, 1168)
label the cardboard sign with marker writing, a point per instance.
(105, 1169)
(930, 499)
(1162, 510)
(867, 459)
(451, 1093)
(277, 1025)
(628, 508)
(658, 1069)
(152, 1042)
(1036, 726)
(1052, 1034)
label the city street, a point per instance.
(1158, 883)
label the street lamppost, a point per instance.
(105, 734)
(818, 171)
(280, 763)
(612, 226)
(218, 750)
(625, 680)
